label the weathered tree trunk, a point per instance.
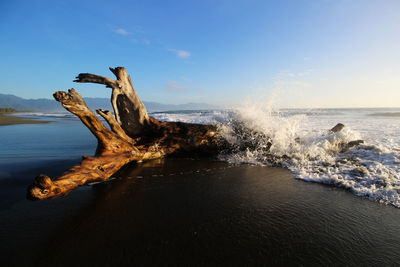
(128, 108)
(134, 136)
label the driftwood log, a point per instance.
(134, 136)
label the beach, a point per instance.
(196, 212)
(200, 133)
(180, 211)
(11, 120)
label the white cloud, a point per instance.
(307, 58)
(181, 53)
(288, 79)
(121, 31)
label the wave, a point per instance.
(45, 115)
(300, 140)
(315, 155)
(201, 117)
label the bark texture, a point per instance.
(134, 136)
(128, 108)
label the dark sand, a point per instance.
(8, 119)
(194, 212)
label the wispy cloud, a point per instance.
(174, 86)
(287, 78)
(135, 35)
(307, 58)
(121, 31)
(180, 53)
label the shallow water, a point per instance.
(299, 140)
(202, 212)
(62, 138)
(180, 212)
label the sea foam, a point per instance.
(300, 140)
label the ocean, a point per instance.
(288, 194)
(301, 142)
(300, 138)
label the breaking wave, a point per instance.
(301, 141)
(45, 115)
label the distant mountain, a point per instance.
(18, 103)
(49, 105)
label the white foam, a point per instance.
(201, 117)
(305, 146)
(300, 140)
(43, 114)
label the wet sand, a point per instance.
(10, 120)
(194, 212)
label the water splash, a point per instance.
(267, 137)
(300, 140)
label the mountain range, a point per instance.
(49, 105)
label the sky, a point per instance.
(299, 54)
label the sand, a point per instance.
(10, 120)
(193, 212)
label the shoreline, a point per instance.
(9, 119)
(194, 212)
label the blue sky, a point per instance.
(340, 53)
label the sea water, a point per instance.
(300, 140)
(297, 139)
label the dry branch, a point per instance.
(128, 108)
(134, 136)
